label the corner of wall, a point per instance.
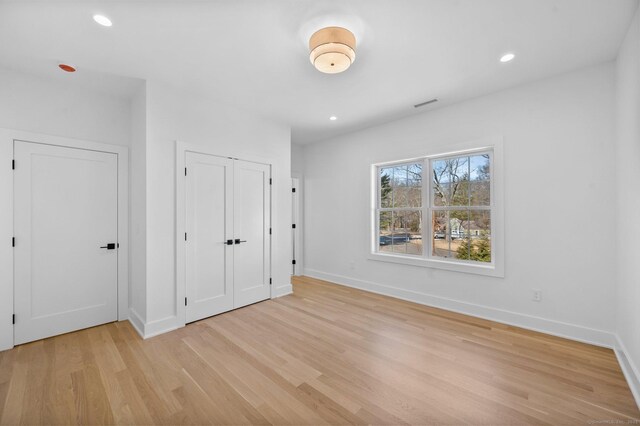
(138, 210)
(629, 369)
(627, 149)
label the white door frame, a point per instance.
(181, 149)
(7, 136)
(299, 239)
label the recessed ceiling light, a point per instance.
(507, 57)
(102, 20)
(67, 67)
(333, 118)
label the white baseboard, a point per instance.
(161, 326)
(153, 328)
(543, 325)
(147, 330)
(136, 322)
(629, 369)
(282, 291)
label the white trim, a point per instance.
(282, 291)
(456, 266)
(629, 369)
(7, 136)
(299, 243)
(181, 149)
(137, 322)
(161, 326)
(496, 267)
(153, 328)
(556, 328)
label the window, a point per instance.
(460, 207)
(401, 209)
(437, 211)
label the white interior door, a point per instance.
(66, 228)
(209, 224)
(252, 251)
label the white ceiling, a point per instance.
(253, 54)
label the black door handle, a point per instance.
(238, 241)
(110, 246)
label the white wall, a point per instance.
(628, 207)
(297, 158)
(60, 108)
(138, 207)
(174, 115)
(559, 191)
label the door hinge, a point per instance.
(270, 181)
(13, 319)
(293, 190)
(270, 281)
(13, 241)
(185, 171)
(269, 231)
(293, 262)
(185, 236)
(185, 301)
(13, 164)
(293, 226)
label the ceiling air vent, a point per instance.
(421, 104)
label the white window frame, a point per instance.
(494, 268)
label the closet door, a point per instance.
(252, 206)
(209, 227)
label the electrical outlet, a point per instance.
(537, 295)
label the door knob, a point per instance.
(110, 246)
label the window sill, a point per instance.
(488, 270)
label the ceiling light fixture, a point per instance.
(102, 20)
(333, 118)
(333, 49)
(507, 57)
(67, 67)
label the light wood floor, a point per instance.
(326, 354)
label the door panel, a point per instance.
(209, 216)
(65, 210)
(252, 221)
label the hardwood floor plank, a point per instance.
(326, 354)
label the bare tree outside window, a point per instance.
(461, 215)
(458, 207)
(400, 218)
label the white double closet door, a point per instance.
(227, 212)
(66, 229)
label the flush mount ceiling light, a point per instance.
(332, 49)
(102, 20)
(333, 118)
